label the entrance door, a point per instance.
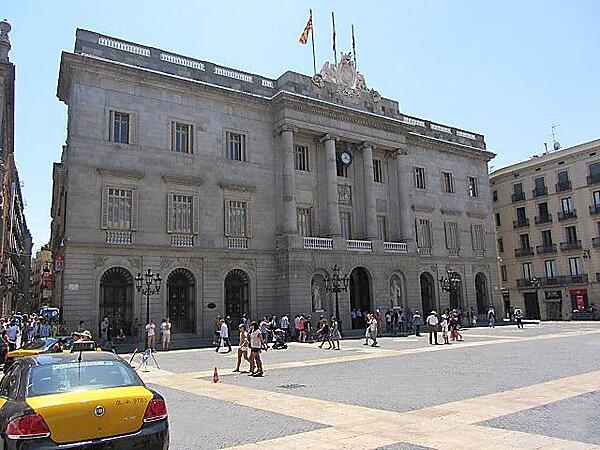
(181, 305)
(116, 299)
(360, 295)
(532, 307)
(481, 293)
(427, 294)
(237, 299)
(554, 310)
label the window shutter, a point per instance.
(173, 136)
(226, 216)
(248, 219)
(195, 215)
(191, 140)
(132, 129)
(104, 213)
(134, 209)
(170, 213)
(111, 120)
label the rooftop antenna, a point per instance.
(555, 143)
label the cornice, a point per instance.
(448, 146)
(177, 179)
(120, 173)
(233, 186)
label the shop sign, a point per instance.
(59, 263)
(553, 295)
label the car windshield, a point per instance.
(80, 376)
(38, 344)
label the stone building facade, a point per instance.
(547, 218)
(243, 191)
(40, 280)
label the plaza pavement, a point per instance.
(501, 388)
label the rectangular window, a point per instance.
(346, 225)
(575, 266)
(540, 187)
(594, 169)
(543, 210)
(478, 238)
(181, 137)
(381, 228)
(521, 216)
(301, 158)
(238, 218)
(304, 221)
(596, 199)
(120, 127)
(503, 273)
(419, 177)
(563, 177)
(571, 234)
(566, 204)
(182, 213)
(524, 240)
(119, 208)
(236, 146)
(500, 246)
(452, 237)
(497, 216)
(527, 270)
(423, 233)
(550, 268)
(448, 182)
(518, 194)
(377, 171)
(342, 169)
(547, 238)
(473, 189)
(495, 196)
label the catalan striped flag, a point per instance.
(304, 36)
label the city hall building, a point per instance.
(243, 191)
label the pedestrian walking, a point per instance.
(335, 333)
(224, 337)
(284, 324)
(417, 321)
(518, 312)
(432, 321)
(243, 348)
(324, 331)
(257, 344)
(165, 329)
(444, 328)
(491, 317)
(371, 331)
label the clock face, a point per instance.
(346, 157)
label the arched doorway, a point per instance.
(481, 293)
(116, 298)
(456, 298)
(427, 293)
(181, 301)
(360, 295)
(237, 295)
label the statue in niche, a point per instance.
(395, 294)
(316, 299)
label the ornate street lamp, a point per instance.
(148, 284)
(336, 284)
(451, 282)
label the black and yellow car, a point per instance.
(88, 400)
(35, 347)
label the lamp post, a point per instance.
(336, 284)
(450, 283)
(148, 284)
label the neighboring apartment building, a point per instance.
(15, 238)
(243, 191)
(547, 217)
(40, 291)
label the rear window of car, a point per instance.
(80, 376)
(37, 344)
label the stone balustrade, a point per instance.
(118, 237)
(182, 240)
(395, 247)
(354, 245)
(318, 243)
(237, 243)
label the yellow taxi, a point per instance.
(35, 347)
(89, 400)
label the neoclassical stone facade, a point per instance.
(244, 191)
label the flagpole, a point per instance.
(334, 49)
(312, 38)
(354, 48)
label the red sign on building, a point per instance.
(59, 263)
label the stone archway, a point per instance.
(237, 295)
(116, 298)
(427, 293)
(181, 301)
(481, 293)
(360, 295)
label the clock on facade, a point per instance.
(346, 157)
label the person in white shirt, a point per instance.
(224, 336)
(432, 321)
(165, 329)
(284, 324)
(256, 345)
(150, 334)
(444, 327)
(371, 332)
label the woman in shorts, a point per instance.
(335, 333)
(257, 343)
(243, 348)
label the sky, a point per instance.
(505, 69)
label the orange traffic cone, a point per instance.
(215, 376)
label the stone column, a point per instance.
(333, 208)
(289, 180)
(404, 182)
(370, 207)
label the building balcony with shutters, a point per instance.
(567, 215)
(559, 280)
(544, 249)
(563, 186)
(569, 246)
(593, 179)
(520, 223)
(520, 252)
(594, 209)
(540, 192)
(518, 197)
(540, 220)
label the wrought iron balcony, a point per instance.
(540, 192)
(566, 215)
(543, 219)
(593, 179)
(563, 186)
(594, 209)
(520, 223)
(541, 249)
(559, 280)
(527, 251)
(566, 246)
(518, 197)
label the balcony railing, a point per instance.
(182, 240)
(566, 246)
(520, 223)
(540, 192)
(566, 215)
(424, 251)
(543, 219)
(523, 252)
(594, 209)
(395, 247)
(541, 249)
(563, 186)
(518, 197)
(237, 243)
(559, 280)
(596, 242)
(354, 245)
(118, 237)
(318, 243)
(593, 179)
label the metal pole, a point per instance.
(337, 312)
(147, 306)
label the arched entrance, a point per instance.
(456, 298)
(181, 301)
(481, 293)
(116, 298)
(360, 295)
(237, 295)
(427, 293)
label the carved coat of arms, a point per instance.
(350, 82)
